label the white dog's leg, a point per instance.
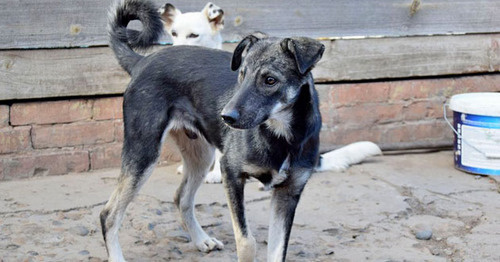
(197, 156)
(340, 159)
(215, 176)
(180, 170)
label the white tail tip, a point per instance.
(340, 159)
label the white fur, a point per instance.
(276, 237)
(279, 122)
(215, 176)
(245, 246)
(200, 23)
(340, 159)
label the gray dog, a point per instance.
(258, 106)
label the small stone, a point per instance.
(424, 235)
(84, 252)
(330, 252)
(158, 212)
(151, 226)
(33, 253)
(80, 230)
(12, 247)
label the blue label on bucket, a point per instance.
(480, 121)
(477, 148)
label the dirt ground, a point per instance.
(371, 212)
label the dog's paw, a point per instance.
(180, 169)
(209, 244)
(214, 177)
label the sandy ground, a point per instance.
(371, 212)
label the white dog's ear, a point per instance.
(168, 14)
(215, 16)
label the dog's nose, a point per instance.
(230, 117)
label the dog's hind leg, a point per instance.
(141, 149)
(197, 156)
(284, 200)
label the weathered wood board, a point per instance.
(80, 23)
(408, 57)
(28, 74)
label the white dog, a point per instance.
(194, 28)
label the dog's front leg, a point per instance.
(245, 242)
(284, 200)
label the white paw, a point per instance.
(214, 177)
(180, 169)
(209, 244)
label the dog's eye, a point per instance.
(174, 34)
(270, 81)
(193, 35)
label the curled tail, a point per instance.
(123, 41)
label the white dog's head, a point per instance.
(194, 28)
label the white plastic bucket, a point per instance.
(476, 123)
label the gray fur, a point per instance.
(183, 91)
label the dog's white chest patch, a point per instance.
(280, 122)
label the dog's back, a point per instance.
(207, 83)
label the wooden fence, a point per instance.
(365, 40)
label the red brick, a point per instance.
(426, 109)
(443, 87)
(344, 135)
(418, 131)
(4, 115)
(108, 108)
(106, 156)
(119, 130)
(349, 94)
(81, 133)
(15, 139)
(50, 112)
(42, 163)
(369, 114)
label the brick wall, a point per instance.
(395, 114)
(56, 137)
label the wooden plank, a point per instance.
(27, 74)
(408, 57)
(77, 23)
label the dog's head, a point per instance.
(194, 28)
(271, 76)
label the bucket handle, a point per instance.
(487, 155)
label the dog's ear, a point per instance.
(168, 13)
(215, 16)
(306, 52)
(244, 44)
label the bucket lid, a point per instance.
(486, 104)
